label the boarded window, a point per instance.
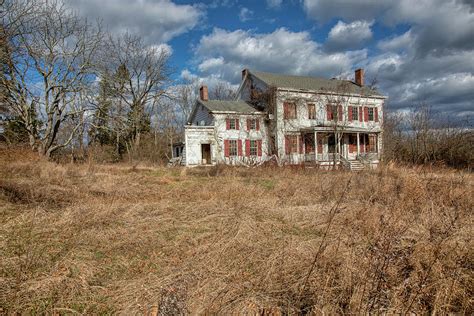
(333, 111)
(372, 144)
(233, 148)
(289, 110)
(311, 111)
(291, 144)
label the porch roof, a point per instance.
(345, 130)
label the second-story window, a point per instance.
(355, 113)
(232, 123)
(311, 111)
(371, 114)
(289, 110)
(253, 124)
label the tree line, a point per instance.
(67, 83)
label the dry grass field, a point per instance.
(106, 239)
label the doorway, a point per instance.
(206, 154)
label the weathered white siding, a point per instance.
(286, 126)
(242, 134)
(195, 136)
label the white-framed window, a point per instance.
(233, 150)
(355, 113)
(232, 123)
(253, 148)
(371, 114)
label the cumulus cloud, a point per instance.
(245, 14)
(396, 43)
(156, 21)
(348, 36)
(325, 10)
(226, 52)
(432, 62)
(274, 4)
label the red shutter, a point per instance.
(366, 114)
(226, 148)
(247, 147)
(227, 123)
(259, 147)
(360, 113)
(248, 124)
(301, 143)
(339, 112)
(376, 114)
(285, 110)
(237, 124)
(258, 124)
(328, 112)
(239, 147)
(349, 113)
(287, 145)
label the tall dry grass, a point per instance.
(98, 239)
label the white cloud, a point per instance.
(274, 4)
(348, 35)
(225, 53)
(245, 14)
(401, 42)
(156, 21)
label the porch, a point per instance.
(345, 147)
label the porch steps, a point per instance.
(356, 165)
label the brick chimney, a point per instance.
(203, 93)
(244, 73)
(359, 77)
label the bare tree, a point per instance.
(51, 63)
(222, 91)
(140, 82)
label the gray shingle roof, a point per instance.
(312, 83)
(228, 106)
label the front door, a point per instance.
(206, 154)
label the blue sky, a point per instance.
(419, 51)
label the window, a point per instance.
(232, 123)
(253, 148)
(331, 143)
(330, 109)
(252, 124)
(372, 144)
(233, 147)
(291, 144)
(311, 111)
(371, 114)
(355, 113)
(289, 110)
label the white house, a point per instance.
(294, 119)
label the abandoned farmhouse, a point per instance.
(292, 119)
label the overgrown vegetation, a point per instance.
(99, 239)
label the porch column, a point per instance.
(338, 144)
(358, 144)
(315, 146)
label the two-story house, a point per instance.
(294, 119)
